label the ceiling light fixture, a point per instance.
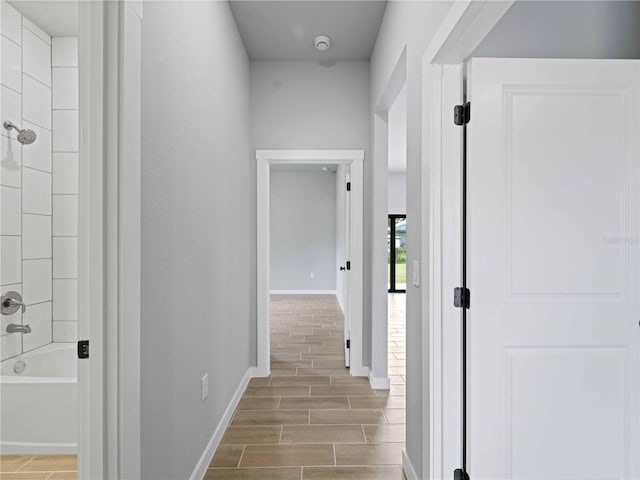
(322, 43)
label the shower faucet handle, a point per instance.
(10, 302)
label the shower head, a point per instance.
(25, 136)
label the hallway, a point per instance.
(310, 419)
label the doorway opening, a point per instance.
(397, 253)
(40, 271)
(337, 277)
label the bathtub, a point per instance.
(39, 412)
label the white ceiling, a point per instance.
(57, 18)
(284, 30)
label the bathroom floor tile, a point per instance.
(51, 463)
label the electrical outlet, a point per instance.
(313, 275)
(204, 386)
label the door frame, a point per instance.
(466, 24)
(266, 158)
(109, 239)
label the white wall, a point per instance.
(196, 218)
(303, 229)
(406, 25)
(566, 29)
(397, 193)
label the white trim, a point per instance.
(205, 459)
(302, 292)
(407, 466)
(91, 223)
(129, 240)
(380, 172)
(265, 158)
(379, 383)
(466, 24)
(22, 448)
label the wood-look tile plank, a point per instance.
(63, 476)
(385, 433)
(329, 372)
(300, 380)
(339, 390)
(277, 391)
(251, 435)
(227, 456)
(293, 473)
(388, 401)
(353, 473)
(259, 381)
(322, 434)
(347, 417)
(11, 463)
(25, 476)
(287, 455)
(271, 417)
(51, 463)
(395, 415)
(313, 402)
(258, 403)
(369, 454)
(357, 381)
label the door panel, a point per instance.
(553, 269)
(347, 273)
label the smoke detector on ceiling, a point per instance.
(322, 43)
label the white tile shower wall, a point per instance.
(64, 54)
(26, 255)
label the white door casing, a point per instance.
(353, 158)
(553, 207)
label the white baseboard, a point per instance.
(407, 466)
(25, 448)
(302, 292)
(379, 383)
(205, 459)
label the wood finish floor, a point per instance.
(311, 420)
(38, 467)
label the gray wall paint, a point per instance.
(304, 105)
(196, 193)
(303, 230)
(566, 29)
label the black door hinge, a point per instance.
(348, 265)
(348, 186)
(462, 114)
(459, 474)
(461, 297)
(83, 349)
(348, 343)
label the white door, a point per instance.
(553, 246)
(347, 273)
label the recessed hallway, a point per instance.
(310, 419)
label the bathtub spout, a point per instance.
(15, 328)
